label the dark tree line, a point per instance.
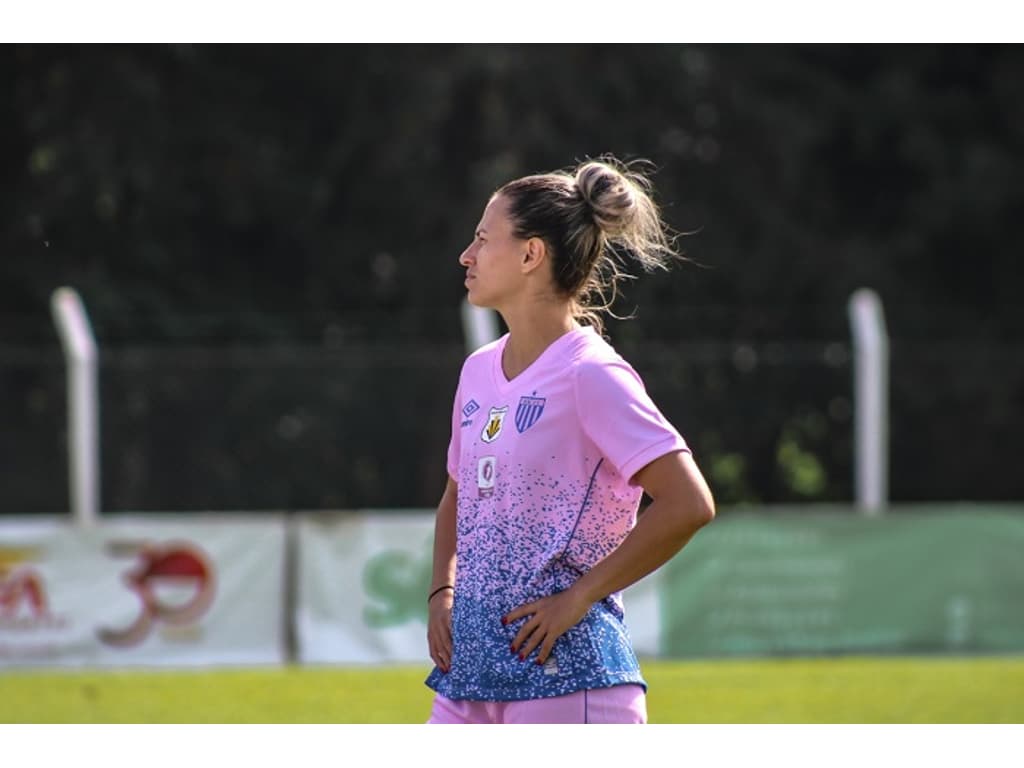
(266, 238)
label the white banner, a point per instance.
(361, 587)
(143, 591)
(362, 584)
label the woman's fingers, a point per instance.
(443, 651)
(551, 617)
(529, 636)
(439, 637)
(441, 655)
(518, 613)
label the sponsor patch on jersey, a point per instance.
(528, 411)
(486, 468)
(494, 423)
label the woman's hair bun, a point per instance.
(609, 194)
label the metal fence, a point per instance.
(366, 424)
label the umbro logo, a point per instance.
(467, 411)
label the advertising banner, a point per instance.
(934, 579)
(215, 590)
(154, 591)
(362, 585)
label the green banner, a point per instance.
(923, 579)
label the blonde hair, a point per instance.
(593, 219)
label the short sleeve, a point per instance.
(620, 418)
(454, 445)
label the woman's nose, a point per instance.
(467, 257)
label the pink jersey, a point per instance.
(544, 465)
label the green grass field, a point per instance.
(843, 690)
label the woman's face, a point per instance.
(494, 259)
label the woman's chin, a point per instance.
(477, 300)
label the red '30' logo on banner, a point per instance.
(174, 582)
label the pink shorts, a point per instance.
(618, 704)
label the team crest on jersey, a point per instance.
(528, 411)
(492, 427)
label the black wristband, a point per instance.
(439, 589)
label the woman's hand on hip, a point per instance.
(549, 619)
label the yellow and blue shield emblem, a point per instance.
(492, 427)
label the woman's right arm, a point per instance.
(439, 624)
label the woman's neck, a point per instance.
(531, 331)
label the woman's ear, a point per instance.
(534, 254)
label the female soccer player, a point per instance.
(554, 440)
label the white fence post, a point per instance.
(871, 401)
(80, 358)
(479, 326)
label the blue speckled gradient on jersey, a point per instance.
(553, 542)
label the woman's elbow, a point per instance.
(708, 511)
(699, 511)
(682, 518)
(677, 485)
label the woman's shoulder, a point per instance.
(593, 352)
(598, 369)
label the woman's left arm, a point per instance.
(681, 505)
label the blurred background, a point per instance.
(266, 237)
